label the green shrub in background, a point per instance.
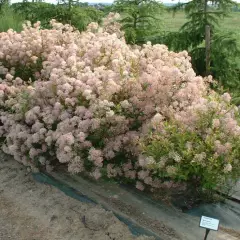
(9, 19)
(77, 16)
(3, 3)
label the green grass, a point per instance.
(174, 22)
(232, 23)
(9, 19)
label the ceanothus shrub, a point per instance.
(91, 102)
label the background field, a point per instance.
(173, 23)
(231, 24)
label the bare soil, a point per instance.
(34, 211)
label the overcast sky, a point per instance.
(108, 1)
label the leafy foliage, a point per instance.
(9, 19)
(199, 154)
(140, 18)
(77, 16)
(3, 3)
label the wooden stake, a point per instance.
(206, 234)
(207, 46)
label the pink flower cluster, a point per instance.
(92, 98)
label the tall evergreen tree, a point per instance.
(140, 18)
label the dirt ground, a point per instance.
(33, 211)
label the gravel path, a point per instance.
(33, 211)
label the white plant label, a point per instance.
(209, 223)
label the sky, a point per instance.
(110, 1)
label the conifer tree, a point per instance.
(140, 18)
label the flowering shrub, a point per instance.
(88, 99)
(199, 146)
